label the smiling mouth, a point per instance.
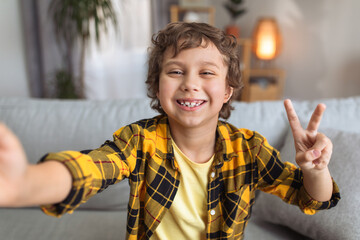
(191, 104)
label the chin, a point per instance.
(195, 121)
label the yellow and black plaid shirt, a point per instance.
(143, 153)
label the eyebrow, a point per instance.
(171, 62)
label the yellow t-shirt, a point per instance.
(187, 216)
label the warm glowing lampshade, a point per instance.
(266, 39)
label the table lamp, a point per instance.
(266, 40)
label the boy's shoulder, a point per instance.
(150, 122)
(230, 131)
(241, 141)
(148, 126)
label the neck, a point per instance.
(197, 143)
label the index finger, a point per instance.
(292, 117)
(316, 117)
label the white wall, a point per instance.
(117, 68)
(13, 76)
(321, 52)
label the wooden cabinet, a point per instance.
(259, 83)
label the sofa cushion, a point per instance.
(258, 229)
(340, 222)
(33, 224)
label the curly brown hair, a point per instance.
(192, 35)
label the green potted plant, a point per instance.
(72, 23)
(235, 10)
(64, 84)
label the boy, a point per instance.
(191, 175)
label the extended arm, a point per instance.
(22, 184)
(313, 153)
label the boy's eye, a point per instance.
(176, 72)
(207, 73)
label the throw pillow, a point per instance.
(340, 222)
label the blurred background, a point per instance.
(319, 56)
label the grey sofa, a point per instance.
(53, 125)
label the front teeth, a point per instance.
(190, 104)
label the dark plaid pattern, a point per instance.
(244, 162)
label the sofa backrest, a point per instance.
(269, 117)
(55, 125)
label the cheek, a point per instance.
(216, 88)
(163, 90)
(217, 93)
(160, 86)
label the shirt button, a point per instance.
(212, 212)
(212, 174)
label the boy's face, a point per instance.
(193, 87)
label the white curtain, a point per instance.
(117, 67)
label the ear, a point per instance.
(228, 94)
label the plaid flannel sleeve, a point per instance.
(285, 180)
(92, 171)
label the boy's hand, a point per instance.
(22, 184)
(13, 165)
(313, 149)
(313, 153)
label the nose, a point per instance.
(190, 83)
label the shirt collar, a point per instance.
(163, 141)
(223, 147)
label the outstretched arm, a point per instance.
(313, 153)
(22, 184)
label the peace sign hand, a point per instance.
(313, 149)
